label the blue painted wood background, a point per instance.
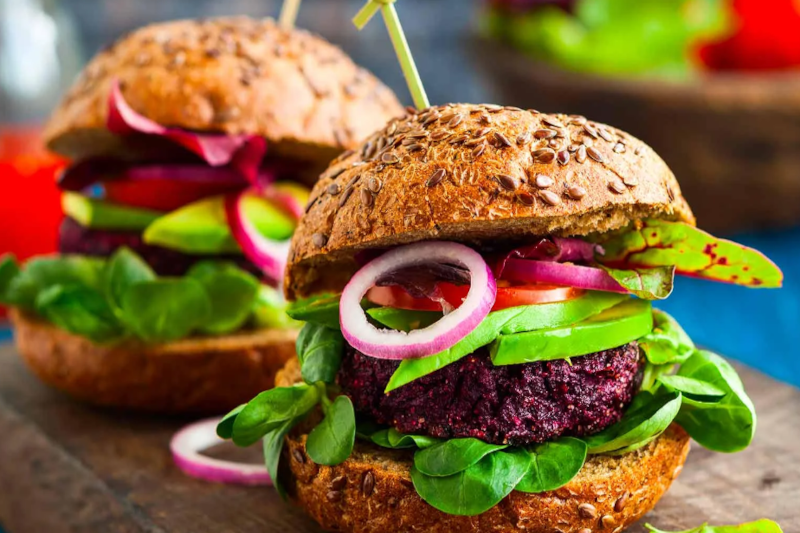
(757, 326)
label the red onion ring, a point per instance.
(569, 275)
(576, 250)
(392, 344)
(202, 435)
(557, 249)
(244, 152)
(268, 255)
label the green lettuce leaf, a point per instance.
(225, 426)
(320, 350)
(166, 309)
(596, 35)
(266, 412)
(231, 291)
(124, 268)
(393, 439)
(79, 310)
(647, 417)
(9, 269)
(668, 343)
(331, 442)
(269, 310)
(724, 425)
(759, 526)
(215, 297)
(77, 269)
(693, 252)
(322, 309)
(273, 446)
(693, 389)
(652, 373)
(43, 272)
(403, 319)
(453, 456)
(476, 489)
(553, 464)
(646, 283)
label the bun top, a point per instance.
(478, 174)
(228, 75)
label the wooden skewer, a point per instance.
(289, 14)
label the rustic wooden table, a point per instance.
(66, 467)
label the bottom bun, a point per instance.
(199, 375)
(372, 492)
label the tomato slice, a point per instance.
(397, 297)
(516, 295)
(508, 295)
(163, 195)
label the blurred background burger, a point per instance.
(191, 145)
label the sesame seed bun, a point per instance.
(198, 375)
(228, 75)
(372, 490)
(476, 174)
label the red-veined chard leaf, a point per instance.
(693, 252)
(646, 283)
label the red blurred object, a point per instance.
(163, 195)
(767, 38)
(30, 202)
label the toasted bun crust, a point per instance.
(230, 75)
(203, 375)
(372, 492)
(477, 174)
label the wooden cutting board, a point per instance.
(67, 467)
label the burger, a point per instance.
(480, 351)
(192, 144)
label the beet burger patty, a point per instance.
(515, 404)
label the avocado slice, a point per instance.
(299, 192)
(506, 322)
(612, 328)
(99, 214)
(202, 227)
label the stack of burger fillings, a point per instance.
(178, 218)
(210, 197)
(507, 365)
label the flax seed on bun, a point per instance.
(372, 490)
(477, 173)
(227, 75)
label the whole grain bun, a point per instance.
(372, 492)
(476, 174)
(230, 75)
(202, 375)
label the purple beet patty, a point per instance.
(76, 239)
(516, 404)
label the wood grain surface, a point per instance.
(66, 467)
